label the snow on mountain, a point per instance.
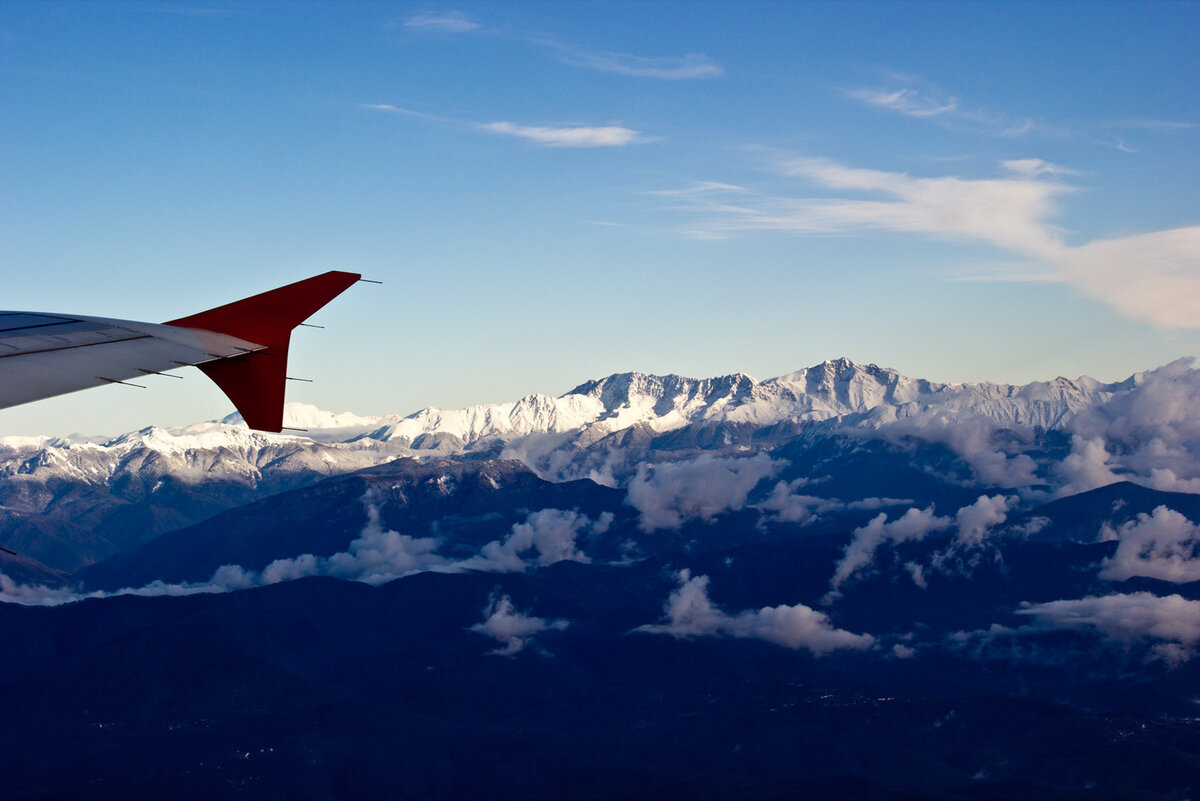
(548, 432)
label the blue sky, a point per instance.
(553, 192)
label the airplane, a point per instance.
(242, 346)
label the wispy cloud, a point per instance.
(1152, 277)
(905, 101)
(449, 22)
(915, 524)
(546, 135)
(405, 111)
(907, 95)
(569, 135)
(1008, 211)
(687, 67)
(671, 68)
(1034, 168)
(1154, 125)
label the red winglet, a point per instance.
(255, 381)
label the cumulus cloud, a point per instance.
(450, 22)
(915, 524)
(1147, 432)
(1162, 545)
(977, 520)
(377, 555)
(668, 495)
(974, 524)
(568, 135)
(690, 613)
(785, 505)
(1172, 622)
(552, 533)
(514, 630)
(1086, 467)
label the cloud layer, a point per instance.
(1171, 623)
(376, 556)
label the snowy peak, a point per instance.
(840, 387)
(839, 392)
(631, 398)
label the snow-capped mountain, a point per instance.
(852, 396)
(1143, 429)
(829, 390)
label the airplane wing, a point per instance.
(242, 346)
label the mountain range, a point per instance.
(837, 581)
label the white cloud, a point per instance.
(969, 435)
(1147, 433)
(977, 520)
(551, 532)
(915, 524)
(1011, 212)
(512, 629)
(377, 555)
(667, 495)
(1152, 277)
(785, 505)
(1086, 467)
(974, 524)
(690, 613)
(450, 22)
(1163, 545)
(1172, 620)
(568, 136)
(905, 101)
(1034, 168)
(388, 107)
(907, 95)
(226, 578)
(1153, 125)
(688, 67)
